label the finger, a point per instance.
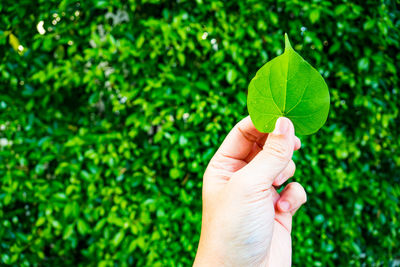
(239, 142)
(292, 197)
(259, 144)
(285, 174)
(297, 143)
(274, 195)
(273, 159)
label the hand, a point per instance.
(245, 221)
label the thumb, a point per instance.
(273, 158)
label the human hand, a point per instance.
(245, 221)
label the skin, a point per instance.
(245, 221)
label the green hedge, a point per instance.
(109, 118)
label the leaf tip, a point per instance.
(287, 42)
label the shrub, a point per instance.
(109, 117)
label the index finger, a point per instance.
(239, 142)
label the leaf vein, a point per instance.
(302, 95)
(273, 99)
(286, 84)
(308, 115)
(266, 124)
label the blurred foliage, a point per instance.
(110, 111)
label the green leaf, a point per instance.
(288, 86)
(231, 75)
(118, 238)
(174, 173)
(363, 64)
(7, 199)
(314, 16)
(68, 231)
(40, 221)
(274, 18)
(82, 227)
(340, 9)
(5, 259)
(14, 42)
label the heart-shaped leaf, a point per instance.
(288, 86)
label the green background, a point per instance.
(109, 118)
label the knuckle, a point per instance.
(292, 168)
(305, 198)
(216, 162)
(242, 184)
(292, 186)
(278, 149)
(295, 185)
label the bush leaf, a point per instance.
(288, 86)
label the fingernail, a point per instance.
(281, 127)
(284, 205)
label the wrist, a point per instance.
(207, 255)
